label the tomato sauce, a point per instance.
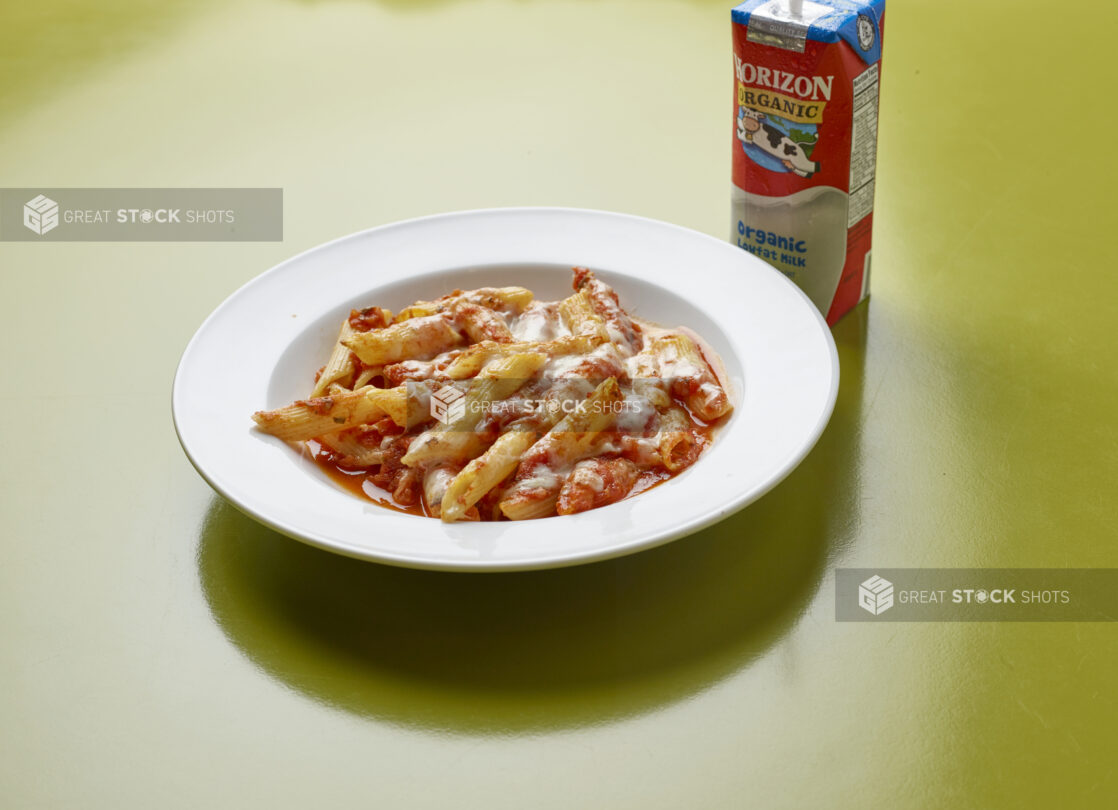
(357, 482)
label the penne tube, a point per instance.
(676, 440)
(641, 450)
(340, 365)
(481, 324)
(415, 339)
(439, 444)
(350, 449)
(644, 369)
(367, 375)
(603, 300)
(420, 309)
(510, 299)
(435, 482)
(456, 439)
(576, 432)
(471, 361)
(596, 482)
(691, 379)
(531, 504)
(409, 371)
(504, 376)
(513, 299)
(486, 471)
(308, 418)
(540, 476)
(392, 401)
(418, 370)
(579, 316)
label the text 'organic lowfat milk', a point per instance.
(806, 79)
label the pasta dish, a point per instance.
(488, 404)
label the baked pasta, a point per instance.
(488, 404)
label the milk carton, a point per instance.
(806, 79)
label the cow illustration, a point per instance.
(752, 128)
(748, 122)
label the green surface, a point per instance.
(161, 650)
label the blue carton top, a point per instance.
(844, 22)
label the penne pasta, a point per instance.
(596, 482)
(435, 482)
(481, 324)
(488, 405)
(456, 439)
(415, 339)
(510, 299)
(689, 376)
(603, 300)
(579, 316)
(340, 365)
(485, 472)
(676, 440)
(644, 369)
(392, 401)
(354, 447)
(529, 504)
(540, 475)
(308, 418)
(471, 361)
(367, 376)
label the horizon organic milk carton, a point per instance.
(806, 79)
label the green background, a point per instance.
(161, 650)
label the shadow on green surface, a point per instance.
(528, 651)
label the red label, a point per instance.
(791, 128)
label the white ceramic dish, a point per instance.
(261, 347)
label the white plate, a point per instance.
(261, 347)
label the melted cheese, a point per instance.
(542, 477)
(635, 415)
(539, 321)
(586, 476)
